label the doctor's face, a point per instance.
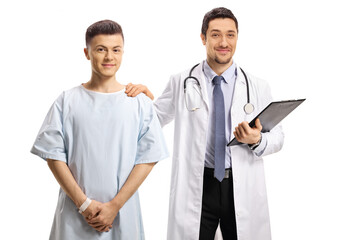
(105, 53)
(220, 41)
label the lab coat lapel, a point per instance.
(199, 74)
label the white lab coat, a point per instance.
(190, 132)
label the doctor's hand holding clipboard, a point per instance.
(245, 134)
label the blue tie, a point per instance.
(220, 139)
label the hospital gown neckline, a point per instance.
(102, 93)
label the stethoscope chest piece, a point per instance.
(248, 108)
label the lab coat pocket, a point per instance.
(193, 96)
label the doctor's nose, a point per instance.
(224, 42)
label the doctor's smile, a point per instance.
(107, 65)
(223, 50)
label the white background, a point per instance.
(308, 48)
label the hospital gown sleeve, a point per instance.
(151, 145)
(49, 143)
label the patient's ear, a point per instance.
(86, 51)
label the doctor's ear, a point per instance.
(86, 51)
(203, 38)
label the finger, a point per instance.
(131, 92)
(96, 225)
(100, 228)
(137, 92)
(128, 89)
(91, 215)
(237, 131)
(93, 220)
(258, 124)
(103, 229)
(242, 132)
(245, 126)
(236, 135)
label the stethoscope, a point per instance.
(248, 107)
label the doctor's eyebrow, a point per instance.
(217, 30)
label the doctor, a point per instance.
(213, 185)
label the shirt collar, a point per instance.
(229, 75)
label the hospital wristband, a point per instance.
(85, 205)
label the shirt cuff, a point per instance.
(259, 150)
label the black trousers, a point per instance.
(217, 207)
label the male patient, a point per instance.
(100, 146)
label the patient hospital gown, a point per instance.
(101, 137)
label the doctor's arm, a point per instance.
(109, 210)
(265, 143)
(68, 184)
(274, 141)
(164, 105)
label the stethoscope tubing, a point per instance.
(248, 108)
(191, 77)
(247, 86)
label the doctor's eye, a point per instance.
(117, 50)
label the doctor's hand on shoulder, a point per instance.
(132, 90)
(245, 134)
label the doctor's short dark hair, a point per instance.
(107, 27)
(220, 12)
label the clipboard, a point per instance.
(272, 115)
